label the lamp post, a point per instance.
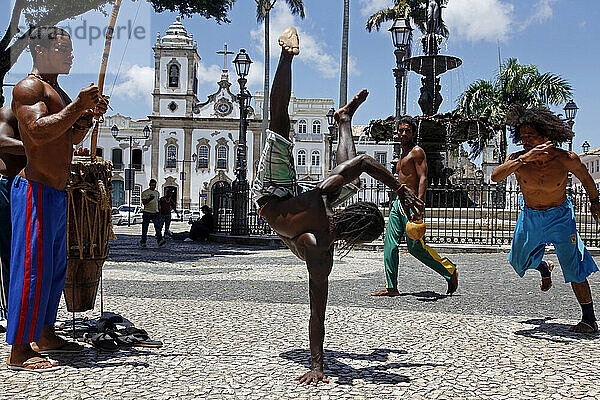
(585, 147)
(129, 172)
(182, 177)
(401, 36)
(570, 113)
(240, 186)
(331, 124)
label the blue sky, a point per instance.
(559, 36)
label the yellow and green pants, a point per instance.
(396, 230)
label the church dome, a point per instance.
(177, 35)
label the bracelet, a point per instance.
(595, 201)
(400, 188)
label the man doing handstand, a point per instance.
(548, 216)
(306, 221)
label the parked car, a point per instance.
(122, 214)
(177, 215)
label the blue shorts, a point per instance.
(536, 228)
(38, 262)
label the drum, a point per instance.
(88, 230)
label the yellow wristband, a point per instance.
(401, 186)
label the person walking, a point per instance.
(167, 204)
(150, 213)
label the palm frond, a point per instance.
(381, 16)
(296, 7)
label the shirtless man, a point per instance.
(306, 221)
(412, 171)
(12, 160)
(49, 124)
(548, 216)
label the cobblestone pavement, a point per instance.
(233, 320)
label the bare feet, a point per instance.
(585, 327)
(289, 41)
(387, 292)
(546, 283)
(23, 357)
(453, 283)
(312, 377)
(345, 113)
(49, 343)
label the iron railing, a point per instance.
(466, 213)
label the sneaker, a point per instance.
(162, 242)
(143, 244)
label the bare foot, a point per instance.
(387, 292)
(312, 377)
(547, 280)
(49, 342)
(585, 327)
(23, 357)
(289, 41)
(345, 113)
(453, 283)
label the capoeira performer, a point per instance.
(49, 124)
(548, 216)
(306, 221)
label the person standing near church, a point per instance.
(150, 213)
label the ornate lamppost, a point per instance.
(401, 36)
(129, 172)
(240, 186)
(570, 113)
(331, 123)
(585, 147)
(182, 177)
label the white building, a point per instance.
(591, 159)
(192, 144)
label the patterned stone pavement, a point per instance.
(233, 320)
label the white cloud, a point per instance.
(210, 74)
(313, 52)
(476, 20)
(543, 12)
(369, 7)
(138, 83)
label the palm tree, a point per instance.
(344, 63)
(514, 83)
(414, 9)
(263, 9)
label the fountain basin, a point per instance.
(429, 65)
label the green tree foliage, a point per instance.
(414, 9)
(51, 12)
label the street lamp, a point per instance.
(401, 36)
(570, 113)
(240, 186)
(585, 146)
(129, 172)
(331, 122)
(182, 177)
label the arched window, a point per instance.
(171, 156)
(173, 75)
(222, 157)
(315, 158)
(302, 126)
(203, 157)
(117, 159)
(136, 159)
(316, 127)
(301, 158)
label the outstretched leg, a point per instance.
(282, 84)
(343, 117)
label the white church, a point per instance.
(189, 142)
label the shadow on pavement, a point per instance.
(93, 358)
(552, 330)
(347, 374)
(427, 295)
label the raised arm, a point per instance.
(30, 108)
(516, 160)
(574, 164)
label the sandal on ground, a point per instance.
(135, 337)
(35, 364)
(102, 341)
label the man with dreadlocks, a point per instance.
(306, 221)
(548, 216)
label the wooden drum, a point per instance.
(88, 230)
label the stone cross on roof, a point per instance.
(225, 53)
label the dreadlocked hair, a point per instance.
(360, 222)
(543, 120)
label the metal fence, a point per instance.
(467, 213)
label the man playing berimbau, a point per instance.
(548, 216)
(49, 124)
(306, 221)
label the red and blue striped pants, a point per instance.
(38, 259)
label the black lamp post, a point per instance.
(331, 124)
(240, 186)
(182, 177)
(129, 172)
(570, 113)
(585, 146)
(401, 36)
